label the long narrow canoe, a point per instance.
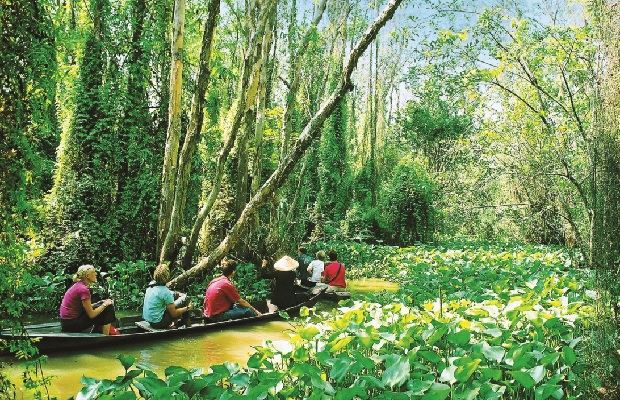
(49, 338)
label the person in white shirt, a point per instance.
(316, 267)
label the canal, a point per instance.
(196, 351)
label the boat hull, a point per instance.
(48, 338)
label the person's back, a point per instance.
(222, 300)
(304, 261)
(283, 294)
(160, 309)
(220, 296)
(317, 267)
(334, 274)
(284, 289)
(156, 298)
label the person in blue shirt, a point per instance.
(160, 309)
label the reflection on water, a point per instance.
(194, 351)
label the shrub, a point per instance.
(407, 210)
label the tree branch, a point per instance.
(311, 132)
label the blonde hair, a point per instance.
(320, 255)
(82, 271)
(161, 274)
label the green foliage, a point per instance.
(407, 204)
(248, 281)
(518, 338)
(433, 127)
(332, 198)
(103, 206)
(127, 282)
(81, 200)
(35, 380)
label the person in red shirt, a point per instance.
(222, 300)
(333, 274)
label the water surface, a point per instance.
(196, 351)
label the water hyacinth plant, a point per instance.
(486, 324)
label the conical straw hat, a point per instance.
(286, 263)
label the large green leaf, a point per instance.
(537, 373)
(568, 355)
(546, 391)
(397, 373)
(438, 391)
(523, 378)
(493, 353)
(460, 338)
(194, 386)
(417, 387)
(309, 332)
(550, 358)
(340, 367)
(437, 334)
(126, 360)
(466, 367)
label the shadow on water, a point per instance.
(195, 351)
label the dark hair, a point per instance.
(228, 267)
(333, 256)
(301, 249)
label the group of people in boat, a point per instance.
(164, 308)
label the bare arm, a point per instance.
(244, 303)
(93, 312)
(177, 312)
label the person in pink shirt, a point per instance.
(222, 300)
(78, 314)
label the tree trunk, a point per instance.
(310, 133)
(295, 73)
(174, 124)
(246, 95)
(171, 242)
(260, 113)
(241, 178)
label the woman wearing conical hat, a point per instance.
(284, 293)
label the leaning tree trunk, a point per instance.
(310, 133)
(170, 245)
(174, 123)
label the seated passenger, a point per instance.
(283, 273)
(160, 309)
(302, 272)
(316, 268)
(222, 300)
(78, 314)
(333, 275)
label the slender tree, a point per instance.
(171, 242)
(173, 135)
(309, 134)
(247, 91)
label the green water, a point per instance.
(198, 351)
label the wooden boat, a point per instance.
(335, 296)
(49, 338)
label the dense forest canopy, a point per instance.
(134, 132)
